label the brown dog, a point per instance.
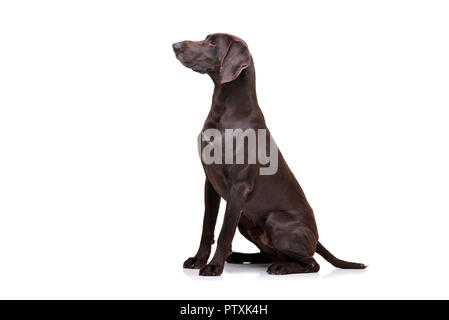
(270, 210)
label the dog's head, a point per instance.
(220, 54)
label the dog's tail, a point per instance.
(322, 251)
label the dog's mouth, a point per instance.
(190, 64)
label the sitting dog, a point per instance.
(269, 208)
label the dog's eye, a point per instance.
(212, 42)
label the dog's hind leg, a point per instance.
(239, 258)
(293, 242)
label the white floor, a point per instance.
(132, 273)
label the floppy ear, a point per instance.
(234, 62)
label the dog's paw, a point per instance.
(279, 268)
(194, 263)
(211, 270)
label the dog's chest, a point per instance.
(218, 175)
(211, 141)
(218, 160)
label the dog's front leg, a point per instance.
(236, 199)
(211, 206)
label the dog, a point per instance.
(270, 210)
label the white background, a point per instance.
(100, 183)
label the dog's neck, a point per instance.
(238, 96)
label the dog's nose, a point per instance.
(177, 47)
